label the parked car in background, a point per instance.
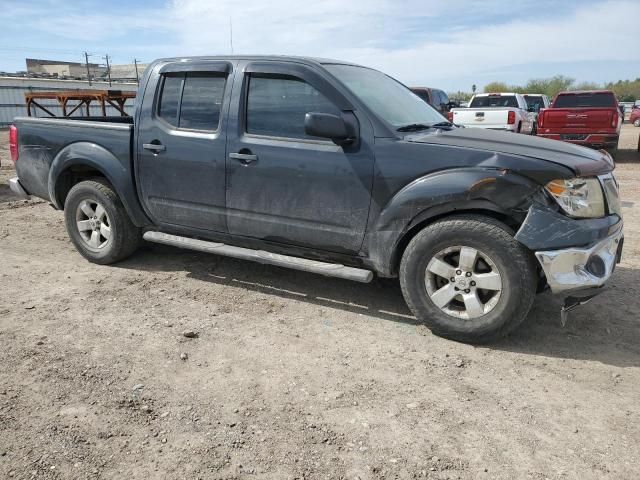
(438, 99)
(590, 118)
(535, 103)
(635, 117)
(337, 169)
(495, 111)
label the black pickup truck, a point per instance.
(338, 169)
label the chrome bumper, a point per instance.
(573, 269)
(14, 185)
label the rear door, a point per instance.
(181, 145)
(283, 185)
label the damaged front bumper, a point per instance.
(576, 273)
(573, 269)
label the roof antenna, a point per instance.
(231, 34)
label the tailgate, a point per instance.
(589, 118)
(480, 116)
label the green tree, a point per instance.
(495, 87)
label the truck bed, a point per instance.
(49, 143)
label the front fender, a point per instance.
(439, 194)
(94, 156)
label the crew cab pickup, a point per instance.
(495, 111)
(332, 168)
(590, 118)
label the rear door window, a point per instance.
(192, 100)
(170, 99)
(576, 100)
(201, 101)
(277, 105)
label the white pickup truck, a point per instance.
(496, 111)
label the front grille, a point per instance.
(573, 136)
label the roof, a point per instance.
(300, 59)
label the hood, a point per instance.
(581, 160)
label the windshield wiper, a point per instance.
(412, 127)
(442, 124)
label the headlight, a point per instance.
(578, 197)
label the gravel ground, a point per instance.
(291, 375)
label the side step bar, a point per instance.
(296, 263)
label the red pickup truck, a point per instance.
(590, 118)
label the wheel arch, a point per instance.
(429, 218)
(498, 194)
(82, 161)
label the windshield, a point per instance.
(494, 101)
(572, 100)
(386, 97)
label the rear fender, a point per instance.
(94, 156)
(440, 194)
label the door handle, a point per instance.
(154, 147)
(245, 158)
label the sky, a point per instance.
(450, 44)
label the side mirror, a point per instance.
(325, 125)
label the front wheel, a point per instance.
(98, 223)
(468, 279)
(637, 122)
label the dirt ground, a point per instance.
(294, 375)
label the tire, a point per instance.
(117, 237)
(636, 123)
(506, 308)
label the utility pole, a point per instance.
(106, 57)
(135, 62)
(86, 61)
(231, 34)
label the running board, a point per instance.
(296, 263)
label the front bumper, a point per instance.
(17, 188)
(580, 271)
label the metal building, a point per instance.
(12, 90)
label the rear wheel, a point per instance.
(98, 224)
(637, 122)
(468, 279)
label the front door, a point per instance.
(283, 185)
(181, 145)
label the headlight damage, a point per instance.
(578, 197)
